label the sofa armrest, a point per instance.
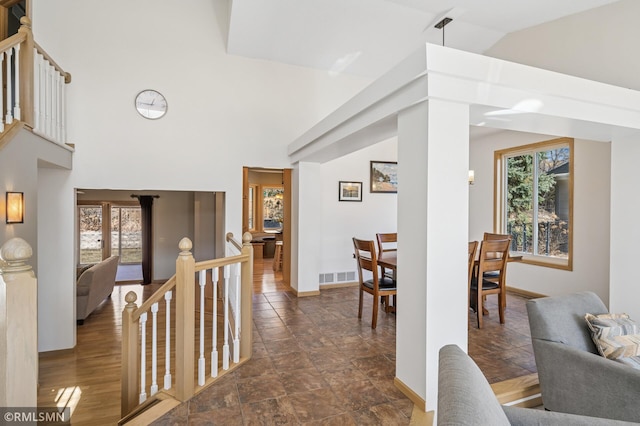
(579, 382)
(529, 417)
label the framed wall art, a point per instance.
(349, 191)
(384, 176)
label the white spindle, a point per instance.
(36, 89)
(60, 108)
(9, 118)
(16, 109)
(63, 113)
(236, 312)
(154, 348)
(1, 98)
(225, 346)
(143, 358)
(49, 99)
(167, 359)
(214, 324)
(203, 283)
(54, 102)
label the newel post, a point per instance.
(246, 295)
(130, 373)
(18, 326)
(26, 72)
(185, 320)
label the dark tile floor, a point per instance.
(315, 363)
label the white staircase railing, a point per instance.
(212, 308)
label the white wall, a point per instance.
(344, 220)
(592, 171)
(224, 112)
(596, 44)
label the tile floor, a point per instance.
(315, 363)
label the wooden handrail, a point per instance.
(231, 240)
(156, 297)
(217, 263)
(67, 76)
(12, 41)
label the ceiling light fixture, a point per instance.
(441, 24)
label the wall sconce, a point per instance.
(15, 207)
(472, 177)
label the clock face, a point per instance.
(151, 104)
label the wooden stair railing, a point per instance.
(34, 94)
(207, 331)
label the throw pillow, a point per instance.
(79, 271)
(615, 335)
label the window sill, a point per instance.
(547, 262)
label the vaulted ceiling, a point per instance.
(368, 37)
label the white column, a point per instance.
(18, 327)
(433, 162)
(307, 228)
(624, 291)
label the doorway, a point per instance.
(111, 229)
(266, 214)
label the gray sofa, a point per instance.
(93, 286)
(465, 398)
(574, 378)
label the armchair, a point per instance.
(466, 398)
(574, 378)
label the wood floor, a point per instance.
(87, 377)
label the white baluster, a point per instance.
(225, 346)
(143, 358)
(1, 98)
(16, 108)
(52, 100)
(154, 348)
(60, 108)
(36, 90)
(43, 96)
(236, 313)
(9, 118)
(167, 359)
(49, 96)
(214, 324)
(203, 283)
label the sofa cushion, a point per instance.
(615, 335)
(631, 361)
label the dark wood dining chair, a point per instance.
(495, 275)
(387, 242)
(473, 248)
(493, 257)
(379, 285)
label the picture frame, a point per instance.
(349, 191)
(384, 177)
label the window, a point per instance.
(534, 201)
(253, 190)
(273, 207)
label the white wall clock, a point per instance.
(151, 104)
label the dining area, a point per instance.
(487, 273)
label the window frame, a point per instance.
(500, 198)
(253, 205)
(262, 189)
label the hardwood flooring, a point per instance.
(313, 362)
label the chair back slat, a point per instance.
(387, 238)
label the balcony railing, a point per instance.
(34, 93)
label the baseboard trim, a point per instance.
(409, 393)
(525, 293)
(305, 293)
(339, 285)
